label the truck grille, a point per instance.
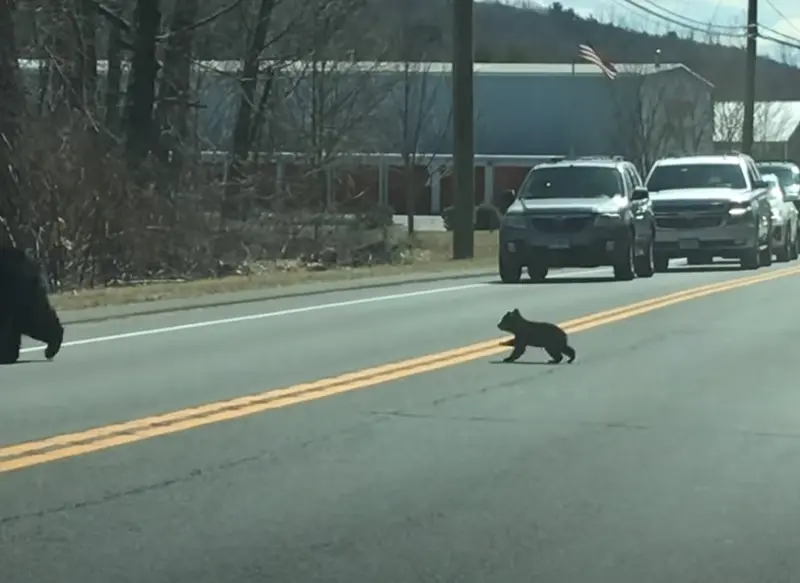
(689, 207)
(698, 222)
(561, 224)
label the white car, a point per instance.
(785, 238)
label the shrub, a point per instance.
(380, 216)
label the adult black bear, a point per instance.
(25, 307)
(545, 335)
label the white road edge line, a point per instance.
(287, 312)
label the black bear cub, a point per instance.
(538, 334)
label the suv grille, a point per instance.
(698, 222)
(561, 224)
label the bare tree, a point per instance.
(418, 106)
(174, 97)
(328, 110)
(770, 120)
(250, 110)
(422, 127)
(661, 112)
(11, 107)
(789, 55)
(104, 170)
(141, 91)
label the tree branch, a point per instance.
(202, 22)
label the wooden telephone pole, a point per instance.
(750, 77)
(463, 131)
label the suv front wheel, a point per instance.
(537, 272)
(645, 263)
(751, 259)
(510, 271)
(624, 269)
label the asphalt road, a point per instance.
(669, 451)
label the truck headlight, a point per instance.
(740, 210)
(514, 221)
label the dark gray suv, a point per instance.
(584, 212)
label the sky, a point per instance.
(782, 16)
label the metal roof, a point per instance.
(591, 161)
(774, 121)
(232, 66)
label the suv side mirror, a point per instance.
(640, 193)
(760, 184)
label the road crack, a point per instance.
(187, 477)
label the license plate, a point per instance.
(689, 244)
(559, 245)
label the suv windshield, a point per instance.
(670, 177)
(784, 174)
(572, 182)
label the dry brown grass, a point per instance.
(434, 255)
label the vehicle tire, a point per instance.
(645, 264)
(784, 254)
(624, 269)
(795, 249)
(510, 271)
(661, 263)
(537, 272)
(751, 259)
(765, 256)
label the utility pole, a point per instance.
(750, 77)
(463, 131)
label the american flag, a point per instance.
(589, 54)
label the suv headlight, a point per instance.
(514, 221)
(740, 210)
(608, 219)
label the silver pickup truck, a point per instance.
(710, 206)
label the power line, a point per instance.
(704, 29)
(785, 37)
(788, 44)
(725, 31)
(705, 25)
(783, 16)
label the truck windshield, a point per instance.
(785, 175)
(572, 182)
(679, 177)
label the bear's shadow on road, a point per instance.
(527, 362)
(26, 362)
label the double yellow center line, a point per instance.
(32, 453)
